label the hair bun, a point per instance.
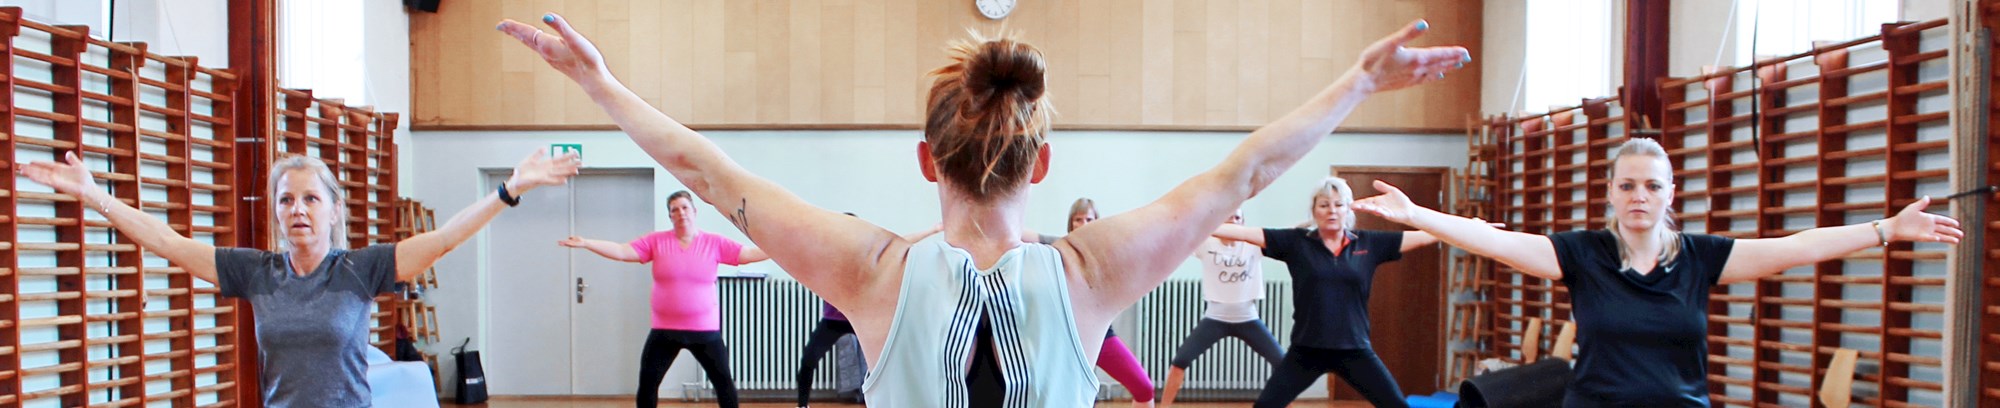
(1004, 69)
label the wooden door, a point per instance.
(1406, 301)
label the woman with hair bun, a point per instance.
(980, 318)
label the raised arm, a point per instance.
(1122, 257)
(607, 249)
(72, 178)
(1529, 253)
(1751, 258)
(418, 253)
(1252, 235)
(827, 251)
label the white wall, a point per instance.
(90, 13)
(387, 56)
(874, 174)
(1505, 43)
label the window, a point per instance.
(320, 48)
(1568, 53)
(1789, 27)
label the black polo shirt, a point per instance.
(1329, 291)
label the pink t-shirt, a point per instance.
(684, 294)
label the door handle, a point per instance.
(580, 286)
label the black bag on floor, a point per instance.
(471, 376)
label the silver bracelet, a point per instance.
(1879, 234)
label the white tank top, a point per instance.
(926, 355)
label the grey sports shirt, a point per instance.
(312, 330)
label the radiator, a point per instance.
(1229, 369)
(766, 323)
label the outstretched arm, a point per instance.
(827, 251)
(72, 178)
(1750, 258)
(607, 249)
(1252, 235)
(418, 253)
(1122, 257)
(1529, 253)
(1419, 239)
(750, 255)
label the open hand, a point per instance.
(566, 50)
(538, 170)
(1914, 225)
(1388, 65)
(67, 177)
(1391, 204)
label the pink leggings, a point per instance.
(1117, 360)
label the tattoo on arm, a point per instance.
(741, 220)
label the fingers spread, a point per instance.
(568, 33)
(1408, 33)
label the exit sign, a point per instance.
(559, 149)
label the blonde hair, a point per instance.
(1078, 207)
(1333, 188)
(1665, 230)
(987, 115)
(335, 197)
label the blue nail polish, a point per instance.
(1423, 25)
(549, 18)
(502, 26)
(1466, 58)
(1460, 65)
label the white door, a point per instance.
(550, 335)
(611, 317)
(528, 287)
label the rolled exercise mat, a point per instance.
(1534, 385)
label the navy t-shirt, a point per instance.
(312, 330)
(1643, 339)
(1330, 292)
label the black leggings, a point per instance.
(662, 346)
(1360, 368)
(1209, 331)
(823, 337)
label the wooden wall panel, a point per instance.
(1115, 64)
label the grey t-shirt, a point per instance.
(312, 330)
